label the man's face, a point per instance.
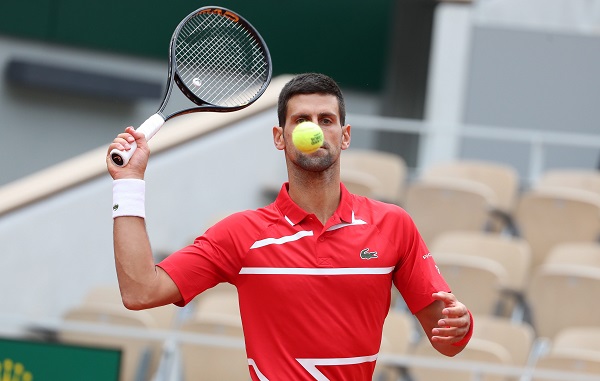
(323, 110)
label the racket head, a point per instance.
(219, 60)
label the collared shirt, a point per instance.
(313, 298)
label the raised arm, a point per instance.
(142, 283)
(447, 323)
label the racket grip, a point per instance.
(148, 128)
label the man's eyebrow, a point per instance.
(299, 115)
(328, 114)
(321, 114)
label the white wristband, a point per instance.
(129, 198)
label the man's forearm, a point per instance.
(134, 261)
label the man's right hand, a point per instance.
(136, 167)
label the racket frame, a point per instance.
(155, 122)
(174, 76)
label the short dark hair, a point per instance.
(309, 83)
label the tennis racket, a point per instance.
(218, 60)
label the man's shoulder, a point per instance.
(258, 218)
(383, 214)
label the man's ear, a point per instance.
(278, 138)
(346, 136)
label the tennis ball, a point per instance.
(307, 137)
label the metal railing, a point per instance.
(537, 140)
(169, 369)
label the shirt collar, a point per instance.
(295, 214)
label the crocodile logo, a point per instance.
(366, 254)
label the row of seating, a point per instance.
(489, 272)
(140, 356)
(562, 205)
(528, 253)
(496, 341)
(215, 313)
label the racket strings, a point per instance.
(220, 61)
(189, 63)
(216, 79)
(234, 66)
(238, 81)
(192, 60)
(241, 66)
(206, 76)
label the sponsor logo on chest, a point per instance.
(366, 254)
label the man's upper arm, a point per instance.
(168, 290)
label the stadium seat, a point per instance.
(581, 253)
(362, 183)
(398, 336)
(476, 281)
(546, 217)
(575, 285)
(165, 316)
(496, 341)
(478, 351)
(140, 355)
(574, 349)
(582, 179)
(224, 358)
(220, 311)
(517, 337)
(502, 179)
(442, 205)
(386, 172)
(512, 253)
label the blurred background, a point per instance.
(510, 83)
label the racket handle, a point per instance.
(148, 128)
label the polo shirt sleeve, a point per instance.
(416, 275)
(213, 258)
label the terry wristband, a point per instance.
(467, 337)
(129, 198)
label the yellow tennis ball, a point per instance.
(307, 137)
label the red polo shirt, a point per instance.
(313, 298)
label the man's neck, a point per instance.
(319, 195)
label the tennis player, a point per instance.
(313, 270)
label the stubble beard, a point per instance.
(315, 163)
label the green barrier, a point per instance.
(24, 360)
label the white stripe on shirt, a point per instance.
(311, 364)
(316, 271)
(279, 241)
(344, 224)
